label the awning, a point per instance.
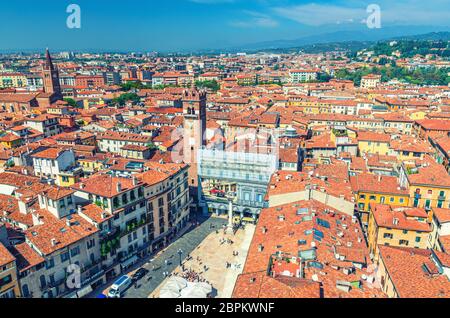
(84, 291)
(129, 261)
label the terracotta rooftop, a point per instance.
(313, 233)
(55, 234)
(400, 218)
(411, 271)
(5, 256)
(104, 185)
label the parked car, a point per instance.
(141, 272)
(119, 287)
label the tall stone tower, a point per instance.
(194, 112)
(50, 77)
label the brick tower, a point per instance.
(194, 112)
(50, 77)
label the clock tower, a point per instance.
(194, 113)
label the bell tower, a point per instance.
(50, 76)
(194, 113)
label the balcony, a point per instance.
(253, 204)
(134, 226)
(108, 233)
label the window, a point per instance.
(50, 263)
(90, 244)
(64, 257)
(403, 242)
(5, 280)
(25, 291)
(124, 198)
(75, 251)
(391, 199)
(42, 281)
(387, 235)
(418, 238)
(372, 197)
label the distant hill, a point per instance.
(432, 36)
(363, 35)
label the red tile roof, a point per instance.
(406, 268)
(290, 229)
(5, 256)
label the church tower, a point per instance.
(194, 113)
(50, 76)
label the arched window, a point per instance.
(25, 291)
(42, 281)
(116, 202)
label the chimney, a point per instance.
(395, 221)
(54, 241)
(119, 187)
(82, 185)
(379, 178)
(37, 219)
(68, 222)
(135, 181)
(79, 209)
(23, 207)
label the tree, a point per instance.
(132, 85)
(71, 102)
(210, 84)
(122, 99)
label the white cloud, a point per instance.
(256, 19)
(316, 14)
(414, 12)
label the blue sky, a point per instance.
(171, 25)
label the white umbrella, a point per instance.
(173, 286)
(207, 288)
(196, 293)
(167, 293)
(180, 282)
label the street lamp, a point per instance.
(180, 252)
